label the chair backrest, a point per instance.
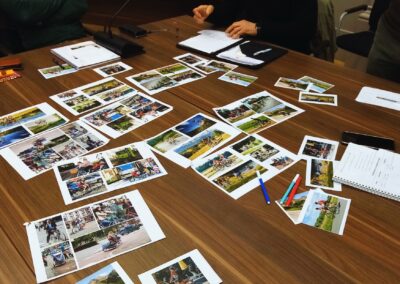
(378, 8)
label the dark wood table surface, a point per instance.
(245, 241)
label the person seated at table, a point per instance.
(289, 23)
(31, 24)
(384, 56)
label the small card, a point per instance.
(317, 85)
(190, 59)
(112, 69)
(325, 211)
(313, 98)
(112, 273)
(221, 66)
(294, 209)
(314, 147)
(293, 84)
(58, 70)
(7, 75)
(320, 173)
(238, 78)
(191, 267)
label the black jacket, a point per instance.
(289, 23)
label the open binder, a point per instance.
(245, 53)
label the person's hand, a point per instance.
(201, 13)
(240, 28)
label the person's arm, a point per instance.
(302, 25)
(225, 12)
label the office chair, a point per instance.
(360, 43)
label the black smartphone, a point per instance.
(367, 140)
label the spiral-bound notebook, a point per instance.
(367, 169)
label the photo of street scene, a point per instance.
(183, 271)
(58, 259)
(319, 149)
(80, 222)
(235, 113)
(51, 231)
(84, 186)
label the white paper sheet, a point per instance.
(379, 97)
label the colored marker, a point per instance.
(293, 192)
(289, 188)
(264, 189)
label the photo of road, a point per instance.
(95, 253)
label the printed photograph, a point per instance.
(221, 66)
(145, 77)
(102, 87)
(89, 141)
(68, 149)
(255, 124)
(20, 117)
(84, 186)
(58, 259)
(200, 145)
(204, 68)
(313, 98)
(320, 174)
(80, 222)
(247, 145)
(112, 69)
(317, 85)
(186, 76)
(293, 84)
(116, 94)
(123, 155)
(45, 123)
(281, 112)
(218, 164)
(262, 103)
(172, 69)
(183, 271)
(13, 135)
(236, 113)
(74, 130)
(51, 231)
(67, 94)
(158, 83)
(293, 210)
(130, 173)
(83, 166)
(136, 101)
(189, 58)
(150, 111)
(55, 71)
(82, 104)
(281, 162)
(327, 212)
(264, 152)
(167, 140)
(111, 241)
(106, 275)
(38, 153)
(239, 176)
(318, 148)
(107, 115)
(238, 78)
(124, 124)
(195, 125)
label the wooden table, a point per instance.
(245, 241)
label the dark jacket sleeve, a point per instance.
(302, 25)
(28, 12)
(225, 12)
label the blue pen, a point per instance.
(264, 189)
(289, 189)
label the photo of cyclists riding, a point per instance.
(117, 235)
(80, 222)
(51, 231)
(58, 259)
